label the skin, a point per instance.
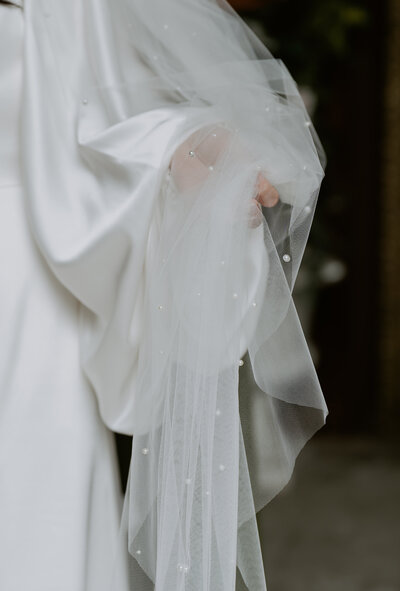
(267, 196)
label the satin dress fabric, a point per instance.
(60, 498)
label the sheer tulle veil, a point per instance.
(210, 291)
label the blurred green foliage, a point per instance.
(309, 35)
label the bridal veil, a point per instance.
(153, 120)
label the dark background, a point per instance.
(338, 50)
(336, 526)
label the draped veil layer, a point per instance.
(182, 295)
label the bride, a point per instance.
(158, 179)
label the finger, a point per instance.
(267, 195)
(268, 198)
(255, 214)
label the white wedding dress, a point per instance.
(133, 138)
(59, 485)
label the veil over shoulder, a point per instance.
(147, 124)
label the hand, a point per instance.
(267, 195)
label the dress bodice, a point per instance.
(11, 47)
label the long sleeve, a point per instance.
(175, 283)
(92, 210)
